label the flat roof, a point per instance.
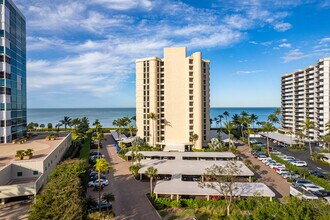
(23, 180)
(41, 148)
(188, 167)
(180, 155)
(280, 137)
(178, 187)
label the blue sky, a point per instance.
(82, 53)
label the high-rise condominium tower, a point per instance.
(176, 89)
(12, 72)
(305, 94)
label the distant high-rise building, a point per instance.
(305, 94)
(177, 89)
(12, 72)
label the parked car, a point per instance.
(277, 165)
(261, 145)
(311, 187)
(93, 173)
(300, 182)
(262, 156)
(95, 177)
(264, 160)
(275, 152)
(321, 193)
(104, 206)
(270, 162)
(299, 163)
(290, 175)
(281, 170)
(96, 182)
(253, 141)
(317, 173)
(288, 158)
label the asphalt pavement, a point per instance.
(301, 155)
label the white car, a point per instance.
(290, 175)
(96, 183)
(264, 160)
(299, 163)
(275, 152)
(262, 156)
(277, 165)
(311, 187)
(289, 158)
(270, 162)
(282, 156)
(281, 170)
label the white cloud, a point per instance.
(124, 4)
(282, 27)
(325, 40)
(285, 45)
(248, 72)
(296, 54)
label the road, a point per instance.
(15, 210)
(130, 195)
(301, 155)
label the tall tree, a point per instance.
(151, 173)
(66, 121)
(307, 126)
(99, 137)
(193, 139)
(131, 129)
(226, 114)
(254, 119)
(220, 117)
(101, 166)
(229, 127)
(225, 181)
(153, 117)
(75, 123)
(273, 118)
(267, 127)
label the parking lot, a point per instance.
(301, 155)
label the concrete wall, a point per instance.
(5, 174)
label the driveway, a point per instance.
(301, 155)
(267, 175)
(131, 201)
(15, 210)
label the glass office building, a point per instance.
(12, 72)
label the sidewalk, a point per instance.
(131, 201)
(267, 175)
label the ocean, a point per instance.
(107, 115)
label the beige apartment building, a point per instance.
(177, 89)
(305, 94)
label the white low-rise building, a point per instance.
(26, 177)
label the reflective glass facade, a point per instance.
(12, 72)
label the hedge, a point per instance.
(303, 172)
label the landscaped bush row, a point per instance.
(86, 147)
(251, 208)
(303, 172)
(64, 195)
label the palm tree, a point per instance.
(96, 122)
(138, 157)
(249, 132)
(225, 113)
(277, 111)
(307, 126)
(273, 118)
(220, 122)
(66, 121)
(57, 126)
(327, 126)
(242, 120)
(193, 139)
(151, 173)
(229, 127)
(326, 139)
(99, 137)
(267, 127)
(131, 129)
(211, 121)
(153, 117)
(101, 166)
(75, 123)
(254, 118)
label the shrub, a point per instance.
(175, 204)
